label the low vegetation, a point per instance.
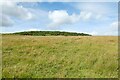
(51, 33)
(59, 56)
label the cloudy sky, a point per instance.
(96, 18)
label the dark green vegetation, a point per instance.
(51, 33)
(59, 56)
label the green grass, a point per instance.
(0, 56)
(59, 57)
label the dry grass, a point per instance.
(60, 56)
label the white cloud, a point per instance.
(33, 29)
(12, 10)
(98, 16)
(111, 29)
(114, 26)
(85, 15)
(6, 21)
(101, 11)
(94, 7)
(61, 17)
(37, 14)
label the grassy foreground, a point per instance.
(59, 57)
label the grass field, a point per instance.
(59, 56)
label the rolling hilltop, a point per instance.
(51, 33)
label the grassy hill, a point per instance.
(59, 56)
(51, 33)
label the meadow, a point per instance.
(59, 56)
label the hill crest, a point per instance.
(50, 33)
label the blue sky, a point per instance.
(96, 18)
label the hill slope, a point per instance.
(59, 57)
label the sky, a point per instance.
(96, 18)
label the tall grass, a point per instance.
(59, 57)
